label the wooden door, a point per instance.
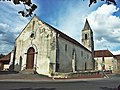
(30, 58)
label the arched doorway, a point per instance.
(30, 58)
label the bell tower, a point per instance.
(87, 37)
(87, 40)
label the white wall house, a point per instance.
(118, 63)
(105, 60)
(6, 61)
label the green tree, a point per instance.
(107, 1)
(32, 7)
(27, 11)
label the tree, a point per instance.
(1, 55)
(32, 7)
(107, 1)
(27, 11)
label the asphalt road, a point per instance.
(104, 84)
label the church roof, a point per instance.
(87, 26)
(103, 53)
(66, 37)
(60, 34)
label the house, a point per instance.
(43, 49)
(105, 60)
(118, 62)
(5, 62)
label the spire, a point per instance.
(87, 26)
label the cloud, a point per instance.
(116, 52)
(70, 17)
(106, 27)
(11, 24)
(2, 25)
(7, 39)
(3, 28)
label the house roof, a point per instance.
(117, 56)
(6, 58)
(60, 34)
(103, 53)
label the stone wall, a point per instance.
(81, 57)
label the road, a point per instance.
(102, 84)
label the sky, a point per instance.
(67, 16)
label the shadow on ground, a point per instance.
(107, 88)
(34, 89)
(8, 72)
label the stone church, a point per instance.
(43, 49)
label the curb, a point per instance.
(52, 80)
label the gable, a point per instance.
(40, 24)
(26, 32)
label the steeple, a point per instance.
(87, 26)
(87, 37)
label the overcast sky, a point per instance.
(69, 17)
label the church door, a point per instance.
(30, 58)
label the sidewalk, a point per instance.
(38, 78)
(19, 76)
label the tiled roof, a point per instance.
(6, 58)
(103, 53)
(63, 35)
(117, 56)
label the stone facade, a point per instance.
(46, 50)
(87, 37)
(87, 40)
(75, 56)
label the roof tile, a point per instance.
(103, 53)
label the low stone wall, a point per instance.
(79, 75)
(116, 72)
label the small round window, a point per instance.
(32, 35)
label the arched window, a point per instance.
(66, 47)
(73, 54)
(86, 36)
